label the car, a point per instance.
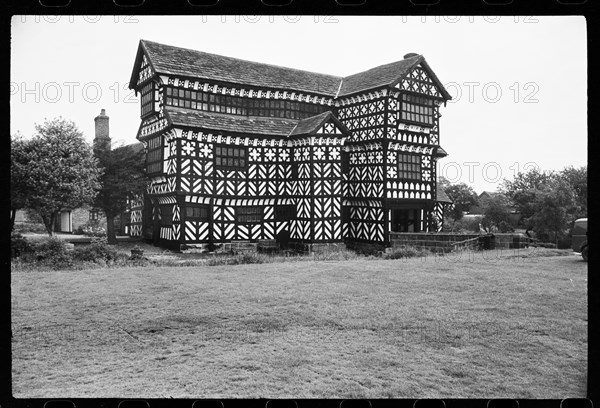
(579, 237)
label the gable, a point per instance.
(331, 128)
(324, 123)
(145, 72)
(143, 69)
(423, 81)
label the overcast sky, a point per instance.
(519, 83)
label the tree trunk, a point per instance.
(49, 223)
(110, 229)
(13, 214)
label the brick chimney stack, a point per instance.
(102, 138)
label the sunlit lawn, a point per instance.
(430, 327)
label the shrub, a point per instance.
(238, 259)
(464, 225)
(564, 243)
(406, 252)
(504, 226)
(546, 245)
(136, 253)
(335, 255)
(18, 245)
(249, 258)
(137, 262)
(52, 252)
(30, 227)
(98, 251)
(214, 261)
(435, 223)
(362, 248)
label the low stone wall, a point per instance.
(435, 242)
(445, 241)
(511, 240)
(195, 248)
(247, 246)
(327, 247)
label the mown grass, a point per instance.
(461, 326)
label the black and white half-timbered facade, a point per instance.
(239, 150)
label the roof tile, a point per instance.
(229, 123)
(177, 61)
(442, 196)
(310, 125)
(378, 76)
(197, 64)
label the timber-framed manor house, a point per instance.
(240, 150)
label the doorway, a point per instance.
(64, 222)
(406, 220)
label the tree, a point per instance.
(554, 209)
(532, 179)
(523, 189)
(577, 179)
(549, 201)
(18, 176)
(496, 212)
(463, 196)
(444, 183)
(56, 169)
(123, 179)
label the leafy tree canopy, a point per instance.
(496, 212)
(18, 173)
(549, 202)
(463, 196)
(555, 207)
(577, 179)
(55, 169)
(123, 178)
(533, 179)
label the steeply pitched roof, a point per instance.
(490, 194)
(312, 124)
(167, 59)
(170, 60)
(442, 196)
(255, 125)
(439, 152)
(378, 76)
(229, 123)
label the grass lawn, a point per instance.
(427, 327)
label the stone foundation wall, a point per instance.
(327, 247)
